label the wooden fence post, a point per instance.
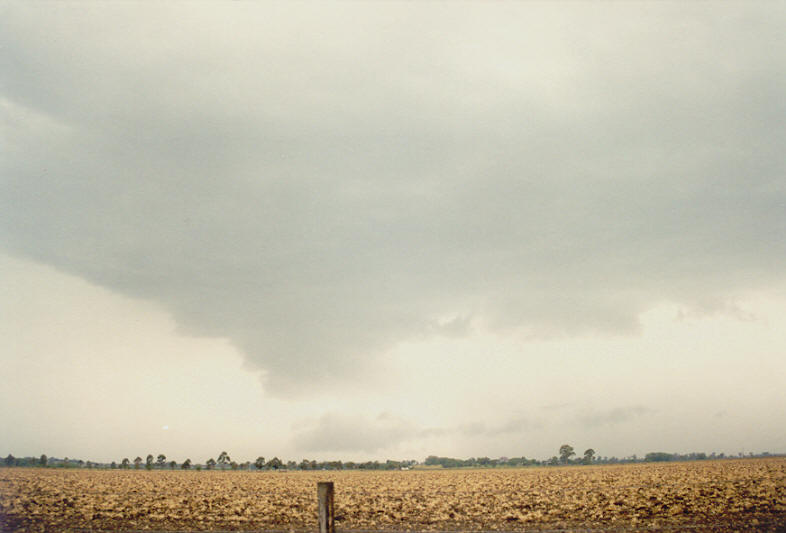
(325, 495)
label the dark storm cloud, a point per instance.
(318, 185)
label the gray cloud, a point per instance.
(318, 185)
(342, 432)
(556, 406)
(617, 415)
(511, 426)
(334, 432)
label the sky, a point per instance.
(370, 230)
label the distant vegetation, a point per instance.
(566, 456)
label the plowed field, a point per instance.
(709, 495)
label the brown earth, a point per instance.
(701, 496)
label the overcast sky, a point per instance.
(388, 230)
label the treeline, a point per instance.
(223, 462)
(567, 456)
(656, 457)
(479, 462)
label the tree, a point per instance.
(43, 460)
(137, 462)
(210, 463)
(10, 460)
(161, 461)
(565, 453)
(172, 464)
(149, 461)
(659, 456)
(223, 459)
(233, 465)
(113, 466)
(588, 456)
(186, 464)
(260, 463)
(125, 463)
(275, 463)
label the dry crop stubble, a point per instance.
(709, 494)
